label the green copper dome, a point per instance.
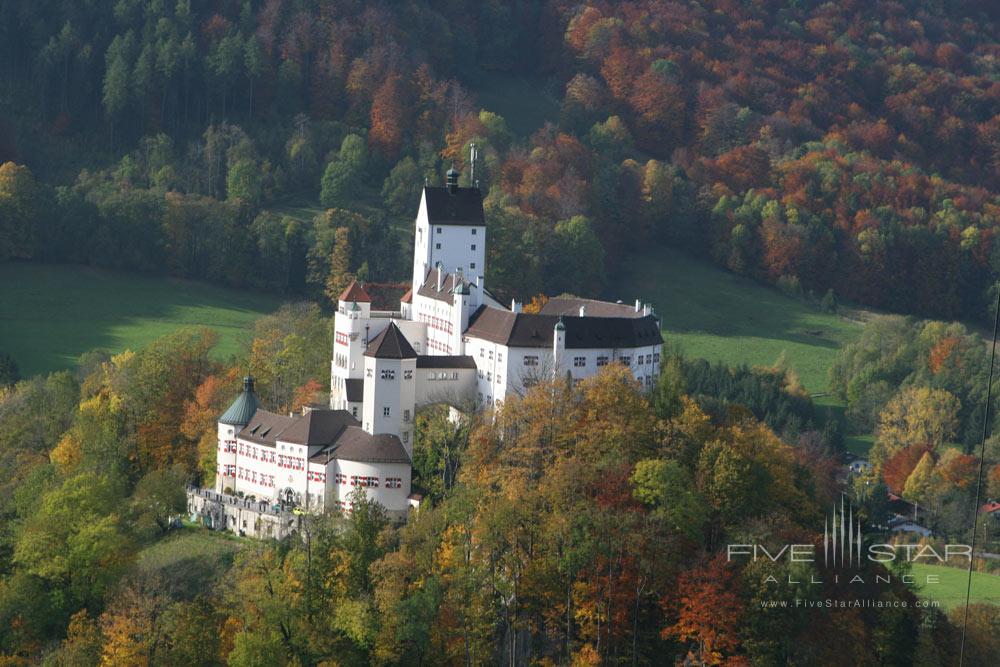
(242, 409)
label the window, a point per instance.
(406, 436)
(473, 246)
(641, 360)
(481, 374)
(406, 415)
(407, 374)
(340, 478)
(385, 411)
(388, 374)
(491, 355)
(482, 351)
(530, 360)
(437, 246)
(368, 372)
(354, 412)
(579, 362)
(626, 361)
(602, 361)
(489, 376)
(439, 230)
(474, 230)
(499, 379)
(472, 265)
(393, 482)
(656, 357)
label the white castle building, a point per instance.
(451, 341)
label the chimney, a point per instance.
(583, 310)
(451, 179)
(440, 282)
(638, 305)
(646, 309)
(516, 306)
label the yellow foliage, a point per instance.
(66, 455)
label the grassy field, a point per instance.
(719, 316)
(50, 314)
(953, 581)
(189, 560)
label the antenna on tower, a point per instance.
(473, 154)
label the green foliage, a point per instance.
(438, 444)
(402, 187)
(344, 173)
(158, 497)
(896, 355)
(74, 538)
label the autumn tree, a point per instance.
(917, 415)
(390, 111)
(709, 613)
(340, 266)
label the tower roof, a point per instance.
(454, 206)
(390, 344)
(243, 408)
(355, 292)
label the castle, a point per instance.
(450, 341)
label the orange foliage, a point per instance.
(536, 304)
(941, 352)
(897, 469)
(710, 612)
(307, 394)
(390, 117)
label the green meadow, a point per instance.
(950, 591)
(720, 316)
(51, 314)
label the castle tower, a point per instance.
(232, 420)
(558, 346)
(462, 306)
(389, 392)
(347, 362)
(450, 232)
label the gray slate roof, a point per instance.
(445, 361)
(264, 427)
(355, 389)
(536, 330)
(448, 283)
(570, 306)
(356, 444)
(461, 206)
(390, 344)
(336, 432)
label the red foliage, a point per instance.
(710, 611)
(896, 470)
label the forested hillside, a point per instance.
(851, 145)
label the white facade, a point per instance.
(455, 248)
(450, 341)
